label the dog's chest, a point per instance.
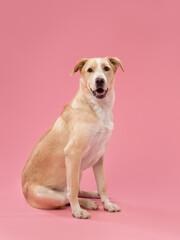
(97, 146)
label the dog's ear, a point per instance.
(115, 62)
(79, 65)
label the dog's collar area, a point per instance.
(97, 92)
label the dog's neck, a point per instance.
(101, 107)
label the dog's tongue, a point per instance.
(100, 91)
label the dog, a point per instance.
(76, 141)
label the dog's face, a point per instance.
(98, 75)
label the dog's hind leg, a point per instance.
(89, 194)
(45, 198)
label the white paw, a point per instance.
(111, 207)
(81, 213)
(91, 205)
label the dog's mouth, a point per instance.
(99, 92)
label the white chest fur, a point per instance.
(100, 136)
(96, 148)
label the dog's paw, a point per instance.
(111, 207)
(81, 213)
(93, 205)
(89, 204)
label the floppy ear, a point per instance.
(79, 65)
(116, 63)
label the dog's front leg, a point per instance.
(98, 169)
(73, 162)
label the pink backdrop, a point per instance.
(40, 42)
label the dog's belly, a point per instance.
(96, 148)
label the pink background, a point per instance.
(40, 42)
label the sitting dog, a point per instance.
(77, 140)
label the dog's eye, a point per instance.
(90, 70)
(106, 68)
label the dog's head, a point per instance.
(98, 74)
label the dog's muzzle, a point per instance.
(99, 92)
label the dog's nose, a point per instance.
(99, 82)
